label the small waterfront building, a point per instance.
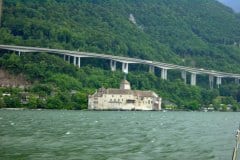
(124, 99)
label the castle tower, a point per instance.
(125, 85)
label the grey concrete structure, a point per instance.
(184, 76)
(211, 81)
(219, 81)
(64, 57)
(126, 61)
(151, 69)
(74, 60)
(113, 65)
(193, 79)
(164, 73)
(237, 81)
(125, 67)
(79, 62)
(69, 59)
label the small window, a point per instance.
(130, 101)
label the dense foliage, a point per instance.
(57, 84)
(199, 33)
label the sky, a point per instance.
(234, 4)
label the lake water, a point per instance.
(85, 135)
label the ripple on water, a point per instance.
(117, 135)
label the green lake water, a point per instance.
(86, 135)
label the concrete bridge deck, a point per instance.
(126, 61)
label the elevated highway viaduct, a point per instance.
(126, 61)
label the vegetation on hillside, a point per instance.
(198, 33)
(56, 84)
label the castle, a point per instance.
(124, 99)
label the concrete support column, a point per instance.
(184, 76)
(19, 53)
(219, 81)
(151, 69)
(113, 65)
(74, 60)
(211, 81)
(193, 79)
(69, 58)
(125, 67)
(237, 81)
(164, 73)
(64, 57)
(79, 62)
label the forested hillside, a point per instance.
(199, 33)
(56, 84)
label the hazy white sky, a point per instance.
(235, 4)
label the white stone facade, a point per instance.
(124, 99)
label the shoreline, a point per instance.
(112, 110)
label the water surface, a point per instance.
(85, 135)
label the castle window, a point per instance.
(130, 101)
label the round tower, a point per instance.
(125, 85)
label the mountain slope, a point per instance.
(56, 84)
(199, 33)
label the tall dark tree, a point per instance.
(1, 8)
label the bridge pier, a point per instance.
(18, 50)
(79, 62)
(69, 59)
(211, 81)
(113, 65)
(237, 81)
(151, 69)
(184, 76)
(219, 81)
(164, 73)
(193, 79)
(125, 67)
(74, 60)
